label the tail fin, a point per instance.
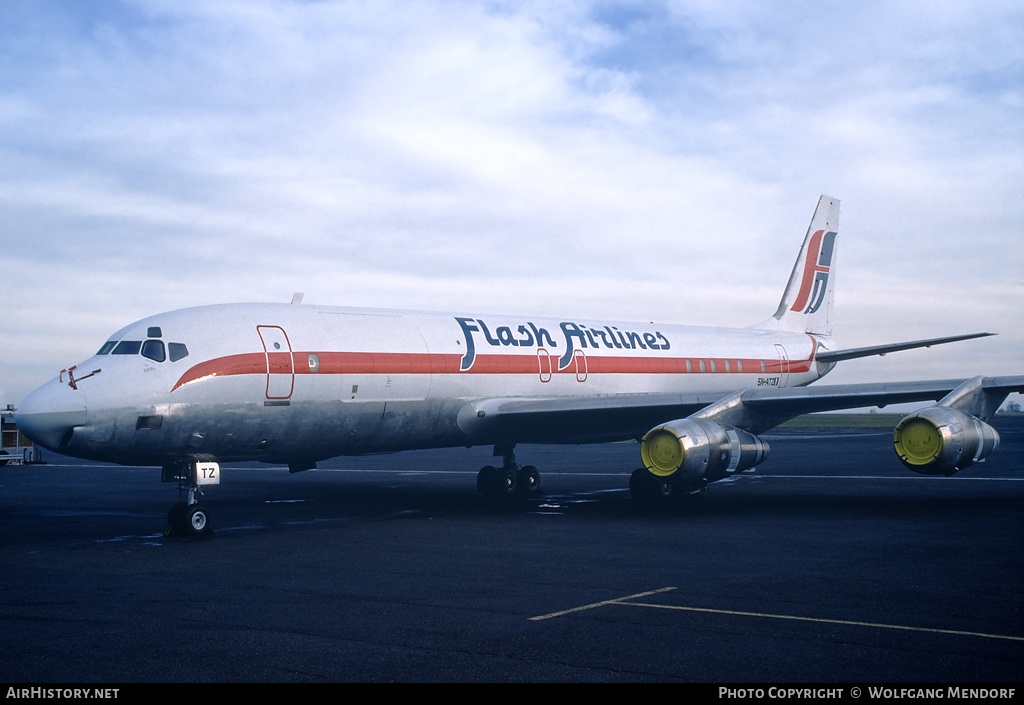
(806, 305)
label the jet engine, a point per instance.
(689, 451)
(940, 440)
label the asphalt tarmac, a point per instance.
(831, 563)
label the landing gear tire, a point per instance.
(195, 520)
(175, 517)
(487, 481)
(187, 520)
(529, 479)
(650, 490)
(507, 484)
(498, 483)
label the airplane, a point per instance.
(295, 384)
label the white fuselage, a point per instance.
(285, 383)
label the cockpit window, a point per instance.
(177, 351)
(128, 347)
(154, 350)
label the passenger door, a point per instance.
(280, 363)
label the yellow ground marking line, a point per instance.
(767, 615)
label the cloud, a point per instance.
(610, 159)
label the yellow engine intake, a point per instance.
(688, 451)
(940, 440)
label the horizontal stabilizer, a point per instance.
(852, 353)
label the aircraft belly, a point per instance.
(310, 430)
(321, 430)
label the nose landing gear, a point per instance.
(187, 517)
(186, 520)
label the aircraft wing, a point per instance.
(630, 416)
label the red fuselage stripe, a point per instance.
(367, 363)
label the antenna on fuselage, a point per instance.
(297, 297)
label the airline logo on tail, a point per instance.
(816, 269)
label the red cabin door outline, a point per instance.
(783, 365)
(280, 363)
(544, 363)
(581, 365)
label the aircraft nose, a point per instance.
(50, 414)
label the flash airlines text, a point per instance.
(573, 336)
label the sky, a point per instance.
(654, 161)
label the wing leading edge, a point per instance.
(630, 416)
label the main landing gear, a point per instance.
(187, 517)
(510, 481)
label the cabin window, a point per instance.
(177, 351)
(739, 365)
(128, 347)
(154, 350)
(314, 362)
(107, 347)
